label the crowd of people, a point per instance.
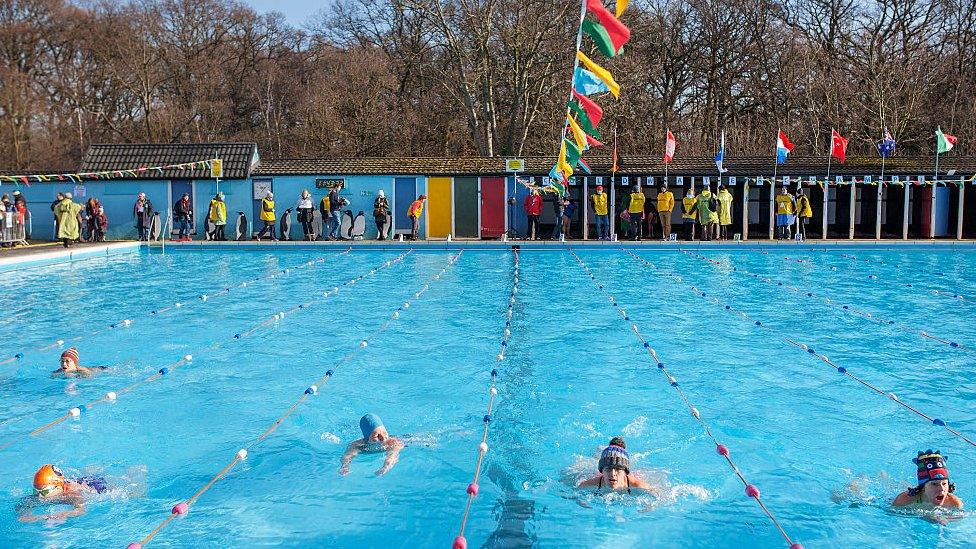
(14, 221)
(706, 215)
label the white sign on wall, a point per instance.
(868, 179)
(680, 180)
(732, 180)
(260, 188)
(599, 180)
(839, 179)
(625, 180)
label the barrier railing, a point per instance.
(13, 227)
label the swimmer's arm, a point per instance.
(24, 513)
(351, 452)
(903, 499)
(392, 457)
(641, 484)
(595, 481)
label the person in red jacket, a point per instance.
(533, 208)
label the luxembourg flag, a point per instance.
(783, 147)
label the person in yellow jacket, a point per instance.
(785, 208)
(689, 213)
(724, 211)
(665, 205)
(707, 213)
(218, 215)
(598, 201)
(803, 213)
(268, 216)
(635, 209)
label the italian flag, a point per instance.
(944, 142)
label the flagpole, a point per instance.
(772, 188)
(572, 77)
(934, 185)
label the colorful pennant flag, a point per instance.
(838, 146)
(573, 153)
(601, 73)
(600, 37)
(621, 6)
(585, 166)
(944, 142)
(594, 111)
(584, 120)
(669, 145)
(587, 83)
(592, 142)
(783, 147)
(618, 33)
(578, 134)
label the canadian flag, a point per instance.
(669, 144)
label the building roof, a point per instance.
(628, 165)
(238, 159)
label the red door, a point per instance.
(492, 207)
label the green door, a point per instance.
(466, 207)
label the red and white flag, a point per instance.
(838, 146)
(669, 144)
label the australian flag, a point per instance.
(887, 146)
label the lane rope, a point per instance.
(808, 350)
(112, 396)
(460, 542)
(183, 507)
(751, 490)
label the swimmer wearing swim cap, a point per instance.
(375, 439)
(71, 367)
(51, 487)
(614, 468)
(934, 488)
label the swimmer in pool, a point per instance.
(51, 487)
(375, 439)
(614, 470)
(934, 488)
(70, 366)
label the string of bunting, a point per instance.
(776, 333)
(183, 507)
(112, 396)
(78, 177)
(751, 490)
(838, 305)
(460, 542)
(181, 305)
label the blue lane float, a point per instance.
(835, 304)
(806, 349)
(183, 507)
(460, 542)
(126, 323)
(162, 372)
(751, 490)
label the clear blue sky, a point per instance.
(296, 11)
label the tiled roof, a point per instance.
(238, 158)
(636, 165)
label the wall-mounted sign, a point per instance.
(260, 188)
(732, 180)
(329, 183)
(216, 168)
(79, 191)
(514, 165)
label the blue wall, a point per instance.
(118, 196)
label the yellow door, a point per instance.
(440, 204)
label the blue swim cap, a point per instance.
(369, 423)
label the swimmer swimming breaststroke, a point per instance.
(51, 487)
(614, 468)
(70, 365)
(375, 439)
(934, 488)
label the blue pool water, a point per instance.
(574, 375)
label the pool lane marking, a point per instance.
(112, 396)
(837, 305)
(125, 323)
(810, 351)
(460, 542)
(183, 507)
(723, 450)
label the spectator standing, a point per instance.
(785, 209)
(724, 211)
(803, 213)
(557, 208)
(91, 216)
(635, 209)
(268, 216)
(143, 211)
(335, 212)
(306, 214)
(665, 205)
(218, 215)
(183, 213)
(689, 213)
(533, 209)
(598, 201)
(414, 212)
(569, 210)
(68, 214)
(381, 215)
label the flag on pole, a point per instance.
(838, 146)
(600, 72)
(592, 142)
(669, 144)
(887, 146)
(944, 142)
(584, 166)
(621, 6)
(579, 136)
(598, 33)
(618, 33)
(720, 155)
(783, 147)
(587, 83)
(583, 119)
(594, 111)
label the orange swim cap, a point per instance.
(47, 476)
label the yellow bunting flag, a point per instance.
(579, 136)
(563, 167)
(621, 6)
(601, 73)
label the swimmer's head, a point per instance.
(69, 360)
(615, 463)
(933, 475)
(48, 481)
(373, 429)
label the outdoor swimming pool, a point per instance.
(573, 375)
